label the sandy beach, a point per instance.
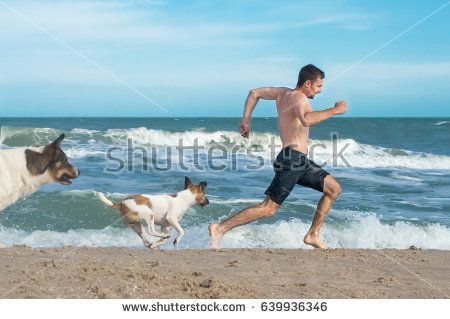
(241, 273)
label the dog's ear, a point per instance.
(51, 150)
(203, 185)
(37, 163)
(187, 182)
(58, 141)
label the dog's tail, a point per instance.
(106, 201)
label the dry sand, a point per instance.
(240, 273)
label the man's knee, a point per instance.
(269, 207)
(337, 191)
(271, 211)
(332, 188)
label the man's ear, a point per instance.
(187, 182)
(308, 83)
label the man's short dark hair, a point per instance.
(309, 72)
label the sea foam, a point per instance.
(339, 153)
(361, 232)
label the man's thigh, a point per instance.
(282, 185)
(315, 177)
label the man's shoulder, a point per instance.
(285, 90)
(280, 91)
(298, 98)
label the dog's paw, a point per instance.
(166, 237)
(148, 244)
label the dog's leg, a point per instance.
(139, 229)
(151, 227)
(164, 230)
(180, 231)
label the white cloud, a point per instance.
(384, 81)
(348, 21)
(109, 22)
(30, 56)
(392, 72)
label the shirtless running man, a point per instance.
(291, 166)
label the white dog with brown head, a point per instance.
(23, 170)
(163, 210)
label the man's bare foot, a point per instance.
(314, 241)
(215, 235)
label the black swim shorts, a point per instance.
(293, 167)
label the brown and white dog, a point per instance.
(23, 170)
(163, 210)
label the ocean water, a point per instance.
(394, 173)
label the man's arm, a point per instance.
(308, 117)
(266, 93)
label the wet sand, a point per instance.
(226, 273)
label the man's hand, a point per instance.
(340, 107)
(244, 128)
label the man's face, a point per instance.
(314, 88)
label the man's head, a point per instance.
(310, 80)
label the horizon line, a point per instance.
(213, 117)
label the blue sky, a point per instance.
(200, 58)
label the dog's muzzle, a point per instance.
(206, 202)
(66, 178)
